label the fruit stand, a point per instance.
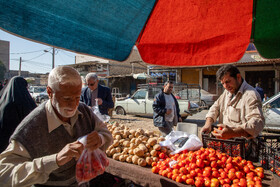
(136, 155)
(144, 177)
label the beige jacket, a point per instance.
(243, 110)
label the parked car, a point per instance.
(140, 103)
(42, 97)
(36, 90)
(271, 111)
(206, 99)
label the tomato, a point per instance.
(193, 165)
(229, 160)
(235, 181)
(183, 170)
(250, 175)
(223, 174)
(174, 176)
(207, 182)
(198, 183)
(193, 173)
(215, 174)
(206, 173)
(184, 177)
(198, 170)
(233, 170)
(169, 175)
(226, 185)
(213, 164)
(260, 174)
(214, 182)
(242, 182)
(229, 166)
(190, 181)
(259, 169)
(155, 169)
(257, 179)
(231, 175)
(239, 174)
(179, 179)
(246, 169)
(175, 171)
(200, 163)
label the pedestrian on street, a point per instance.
(166, 109)
(15, 103)
(94, 91)
(239, 108)
(260, 91)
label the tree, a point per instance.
(2, 70)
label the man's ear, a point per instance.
(239, 78)
(49, 91)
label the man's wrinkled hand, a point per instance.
(93, 141)
(70, 151)
(206, 129)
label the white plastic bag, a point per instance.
(178, 141)
(95, 109)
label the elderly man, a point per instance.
(239, 108)
(95, 91)
(44, 149)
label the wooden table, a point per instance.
(143, 175)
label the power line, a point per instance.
(28, 52)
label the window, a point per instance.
(140, 95)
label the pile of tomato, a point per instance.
(208, 167)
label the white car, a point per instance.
(271, 111)
(140, 103)
(36, 90)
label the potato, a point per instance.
(118, 137)
(116, 143)
(157, 147)
(142, 162)
(142, 147)
(107, 152)
(141, 131)
(113, 151)
(129, 159)
(132, 132)
(135, 159)
(125, 150)
(152, 141)
(126, 143)
(153, 153)
(121, 158)
(133, 140)
(132, 146)
(147, 154)
(115, 132)
(137, 134)
(116, 156)
(118, 149)
(138, 141)
(155, 159)
(149, 160)
(163, 149)
(130, 136)
(138, 152)
(131, 152)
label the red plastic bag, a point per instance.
(90, 165)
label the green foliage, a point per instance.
(2, 70)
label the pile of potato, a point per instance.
(134, 146)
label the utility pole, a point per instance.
(53, 54)
(19, 71)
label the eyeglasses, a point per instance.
(91, 84)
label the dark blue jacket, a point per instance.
(160, 110)
(260, 91)
(104, 93)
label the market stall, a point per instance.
(144, 177)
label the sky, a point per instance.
(34, 59)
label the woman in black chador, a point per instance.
(15, 103)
